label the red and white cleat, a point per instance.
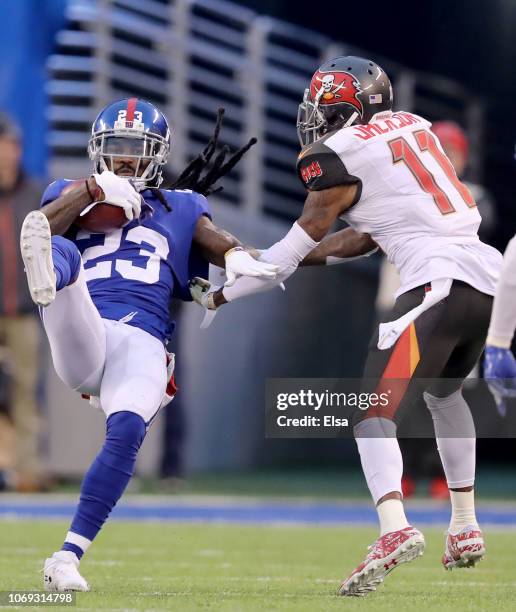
(464, 549)
(387, 553)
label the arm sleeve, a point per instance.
(287, 253)
(503, 317)
(319, 167)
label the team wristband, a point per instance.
(210, 302)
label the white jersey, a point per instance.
(410, 200)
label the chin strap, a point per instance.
(351, 120)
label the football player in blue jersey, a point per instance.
(105, 297)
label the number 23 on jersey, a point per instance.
(144, 236)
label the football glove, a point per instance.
(500, 374)
(118, 191)
(241, 263)
(202, 292)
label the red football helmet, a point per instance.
(343, 91)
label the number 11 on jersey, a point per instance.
(403, 152)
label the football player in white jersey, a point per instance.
(386, 174)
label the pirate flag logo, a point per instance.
(336, 88)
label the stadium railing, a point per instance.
(192, 56)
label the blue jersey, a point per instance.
(133, 272)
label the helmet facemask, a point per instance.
(312, 123)
(149, 150)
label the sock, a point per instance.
(380, 456)
(66, 555)
(392, 516)
(463, 510)
(67, 261)
(76, 543)
(106, 479)
(455, 437)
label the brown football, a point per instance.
(102, 218)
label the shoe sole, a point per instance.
(467, 559)
(36, 250)
(374, 574)
(71, 589)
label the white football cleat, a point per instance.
(387, 553)
(36, 250)
(464, 549)
(61, 573)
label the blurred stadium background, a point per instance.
(62, 60)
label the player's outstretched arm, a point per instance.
(340, 247)
(322, 208)
(214, 242)
(222, 249)
(320, 212)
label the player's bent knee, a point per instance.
(127, 430)
(440, 403)
(451, 417)
(73, 377)
(377, 427)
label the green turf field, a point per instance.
(158, 566)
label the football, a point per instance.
(102, 218)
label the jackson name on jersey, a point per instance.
(409, 199)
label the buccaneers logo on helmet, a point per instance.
(335, 88)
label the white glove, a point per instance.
(119, 191)
(241, 263)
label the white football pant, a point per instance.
(122, 364)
